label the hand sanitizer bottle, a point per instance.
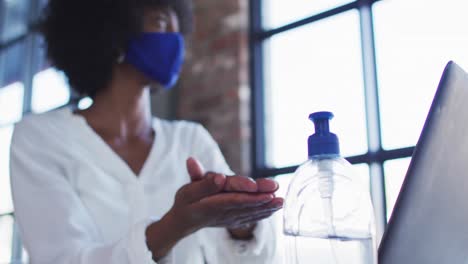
(328, 213)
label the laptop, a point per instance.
(429, 224)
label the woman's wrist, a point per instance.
(161, 236)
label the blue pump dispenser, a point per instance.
(323, 142)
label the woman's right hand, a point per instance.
(202, 203)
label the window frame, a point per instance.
(375, 156)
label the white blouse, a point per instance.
(76, 201)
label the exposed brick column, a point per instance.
(214, 88)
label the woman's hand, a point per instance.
(245, 232)
(204, 203)
(214, 200)
(240, 184)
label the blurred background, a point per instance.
(256, 69)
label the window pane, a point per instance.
(11, 103)
(314, 68)
(280, 12)
(12, 59)
(283, 181)
(42, 4)
(413, 46)
(361, 171)
(15, 20)
(395, 172)
(6, 235)
(50, 90)
(6, 205)
(24, 256)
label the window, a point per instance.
(50, 90)
(6, 206)
(27, 84)
(301, 79)
(6, 238)
(375, 64)
(15, 19)
(11, 103)
(395, 171)
(411, 55)
(275, 15)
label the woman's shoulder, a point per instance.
(43, 127)
(33, 118)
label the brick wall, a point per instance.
(214, 88)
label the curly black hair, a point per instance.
(84, 38)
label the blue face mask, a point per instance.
(157, 55)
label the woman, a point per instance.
(112, 184)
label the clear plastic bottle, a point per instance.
(328, 213)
